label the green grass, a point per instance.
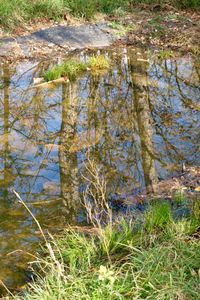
(158, 217)
(72, 68)
(15, 12)
(98, 63)
(164, 55)
(123, 262)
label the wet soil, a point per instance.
(162, 27)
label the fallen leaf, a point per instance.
(197, 189)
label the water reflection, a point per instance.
(139, 121)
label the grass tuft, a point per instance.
(70, 69)
(98, 63)
(73, 68)
(158, 216)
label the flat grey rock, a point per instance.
(67, 37)
(79, 37)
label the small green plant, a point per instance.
(156, 25)
(121, 28)
(116, 25)
(70, 69)
(73, 245)
(158, 216)
(119, 12)
(165, 54)
(115, 238)
(82, 8)
(98, 63)
(196, 208)
(109, 6)
(179, 196)
(156, 20)
(185, 226)
(53, 73)
(73, 68)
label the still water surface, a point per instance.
(139, 121)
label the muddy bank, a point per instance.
(162, 27)
(59, 39)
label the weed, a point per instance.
(98, 63)
(165, 54)
(109, 6)
(70, 69)
(175, 3)
(186, 3)
(54, 73)
(117, 238)
(73, 245)
(156, 20)
(196, 208)
(120, 28)
(158, 216)
(179, 196)
(155, 23)
(13, 12)
(119, 12)
(73, 68)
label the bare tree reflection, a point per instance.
(144, 121)
(68, 160)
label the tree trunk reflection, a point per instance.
(67, 160)
(144, 122)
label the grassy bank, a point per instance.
(15, 12)
(153, 257)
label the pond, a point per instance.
(138, 121)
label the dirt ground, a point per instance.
(164, 27)
(157, 26)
